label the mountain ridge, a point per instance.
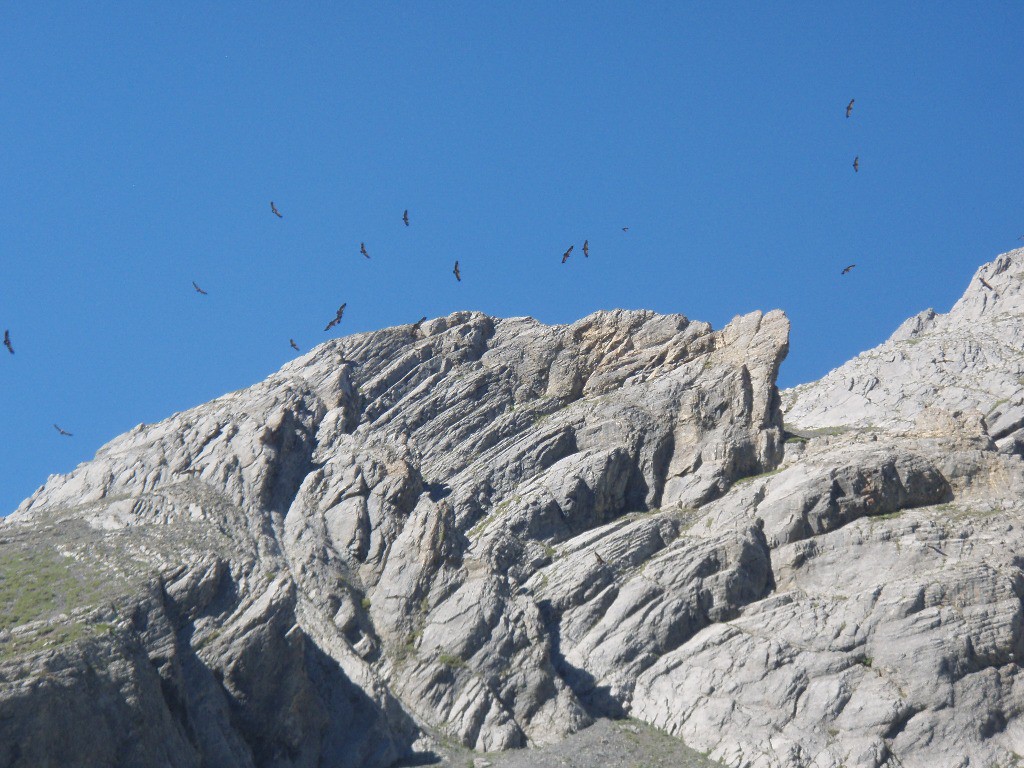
(495, 532)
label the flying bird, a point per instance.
(198, 289)
(599, 558)
(847, 269)
(985, 283)
(625, 229)
(337, 318)
(7, 342)
(566, 254)
(856, 163)
(458, 275)
(586, 249)
(274, 209)
(66, 434)
(405, 218)
(293, 344)
(849, 108)
(362, 250)
(418, 323)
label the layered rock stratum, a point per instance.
(492, 533)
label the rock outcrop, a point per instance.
(495, 532)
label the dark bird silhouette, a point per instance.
(599, 558)
(849, 108)
(625, 229)
(7, 342)
(337, 318)
(985, 283)
(418, 323)
(856, 163)
(293, 344)
(362, 250)
(458, 275)
(274, 209)
(566, 254)
(405, 218)
(66, 434)
(847, 269)
(586, 249)
(198, 289)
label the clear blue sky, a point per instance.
(141, 151)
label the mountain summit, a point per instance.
(492, 532)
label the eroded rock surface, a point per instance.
(494, 533)
(323, 568)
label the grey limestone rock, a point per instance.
(491, 534)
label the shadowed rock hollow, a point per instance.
(494, 532)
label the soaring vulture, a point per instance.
(274, 209)
(198, 289)
(849, 108)
(458, 275)
(985, 283)
(586, 248)
(293, 344)
(7, 342)
(362, 250)
(847, 269)
(856, 163)
(337, 319)
(566, 254)
(405, 218)
(66, 434)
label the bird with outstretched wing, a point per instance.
(274, 209)
(566, 254)
(856, 163)
(625, 229)
(418, 323)
(198, 289)
(337, 318)
(63, 432)
(586, 249)
(293, 345)
(985, 283)
(847, 269)
(362, 250)
(849, 108)
(7, 342)
(405, 218)
(458, 275)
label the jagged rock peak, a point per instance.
(352, 553)
(960, 371)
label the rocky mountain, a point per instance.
(491, 533)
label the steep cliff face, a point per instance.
(495, 531)
(368, 544)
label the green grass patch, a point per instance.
(451, 661)
(762, 476)
(38, 584)
(888, 515)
